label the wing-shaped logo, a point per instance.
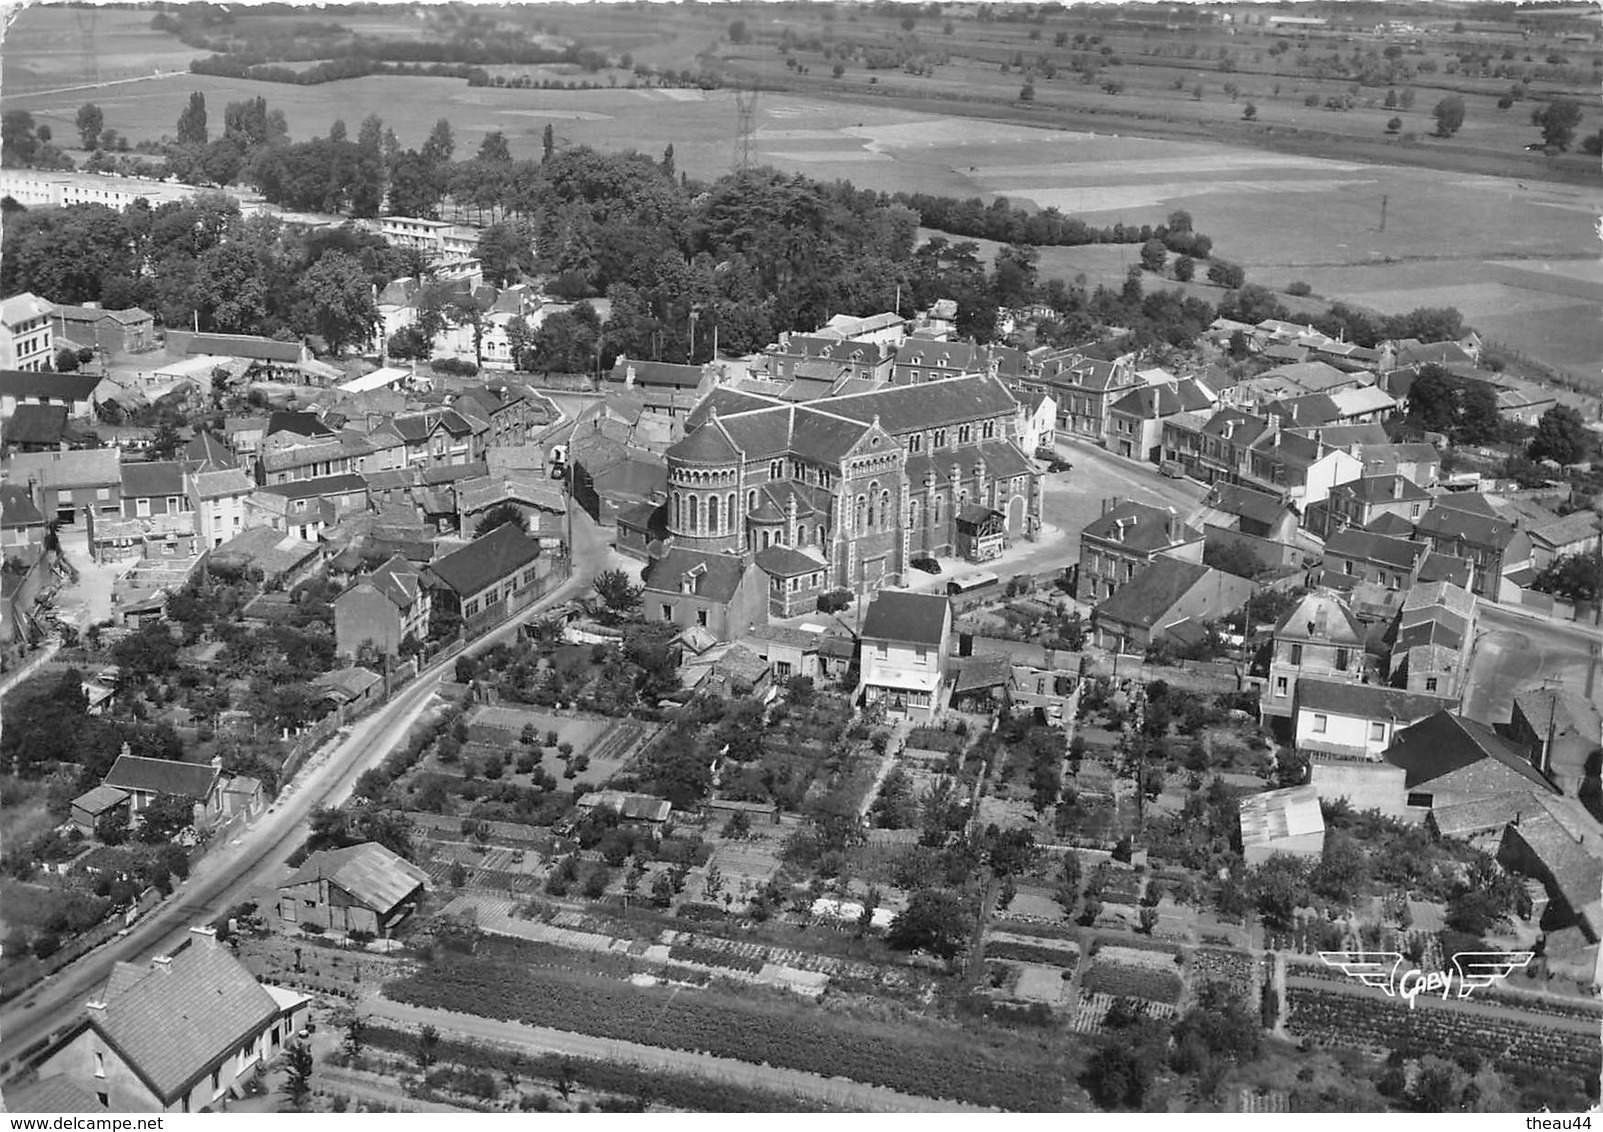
(1372, 968)
(1477, 969)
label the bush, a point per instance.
(1299, 288)
(456, 367)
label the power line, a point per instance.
(745, 125)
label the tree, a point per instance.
(1478, 419)
(1449, 114)
(1233, 558)
(298, 1083)
(1560, 436)
(1433, 399)
(619, 597)
(1153, 253)
(91, 121)
(498, 516)
(1117, 1076)
(1185, 268)
(1393, 125)
(934, 921)
(548, 143)
(441, 144)
(1557, 121)
(1249, 112)
(506, 250)
(1226, 274)
(738, 33)
(1027, 91)
(192, 122)
(165, 817)
(1573, 577)
(428, 1047)
(338, 302)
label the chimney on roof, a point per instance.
(204, 933)
(95, 1006)
(162, 963)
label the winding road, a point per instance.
(229, 873)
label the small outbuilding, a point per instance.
(362, 887)
(1282, 821)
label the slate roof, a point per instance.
(316, 488)
(349, 683)
(36, 424)
(53, 1095)
(153, 479)
(91, 467)
(718, 575)
(1321, 617)
(1454, 523)
(906, 618)
(47, 386)
(1365, 701)
(207, 449)
(243, 346)
(1234, 499)
(1366, 546)
(1568, 713)
(225, 481)
(1149, 402)
(302, 424)
(1147, 532)
(272, 552)
(100, 799)
(1144, 600)
(179, 1018)
(1393, 488)
(162, 776)
(397, 579)
(1578, 526)
(1447, 742)
(127, 317)
(1391, 525)
(656, 373)
(787, 562)
(912, 408)
(17, 509)
(485, 561)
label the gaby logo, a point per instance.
(1472, 971)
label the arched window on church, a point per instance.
(712, 514)
(678, 512)
(936, 503)
(751, 501)
(912, 515)
(731, 523)
(766, 537)
(873, 494)
(885, 510)
(820, 534)
(857, 525)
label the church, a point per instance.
(844, 492)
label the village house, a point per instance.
(184, 1034)
(145, 780)
(1415, 461)
(484, 581)
(27, 338)
(1355, 722)
(69, 486)
(1450, 759)
(1238, 507)
(1360, 502)
(76, 391)
(1353, 556)
(1431, 638)
(920, 360)
(1162, 597)
(268, 359)
(217, 499)
(99, 804)
(1084, 389)
(41, 428)
(107, 331)
(788, 652)
(432, 438)
(1468, 528)
(1576, 533)
(727, 594)
(1124, 540)
(1135, 420)
(155, 488)
(827, 358)
(1213, 447)
(283, 559)
(383, 608)
(1319, 637)
(22, 524)
(905, 641)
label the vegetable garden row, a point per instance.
(1345, 1019)
(1032, 953)
(903, 1058)
(1122, 981)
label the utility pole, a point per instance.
(745, 124)
(1383, 200)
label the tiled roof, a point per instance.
(242, 346)
(910, 408)
(1393, 488)
(656, 373)
(301, 424)
(1578, 526)
(1454, 523)
(100, 799)
(906, 618)
(709, 444)
(1234, 499)
(51, 1094)
(717, 576)
(36, 424)
(270, 551)
(1365, 701)
(207, 449)
(1390, 524)
(397, 579)
(1147, 598)
(485, 561)
(129, 317)
(1566, 712)
(162, 776)
(185, 1015)
(1447, 742)
(153, 480)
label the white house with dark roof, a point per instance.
(145, 780)
(1356, 722)
(27, 337)
(1319, 637)
(481, 582)
(903, 661)
(183, 1034)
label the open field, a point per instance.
(1502, 248)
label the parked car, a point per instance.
(1059, 466)
(1172, 469)
(927, 564)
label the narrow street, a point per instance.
(230, 872)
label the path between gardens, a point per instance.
(541, 1039)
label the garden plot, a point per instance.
(1042, 984)
(1127, 973)
(1060, 954)
(746, 865)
